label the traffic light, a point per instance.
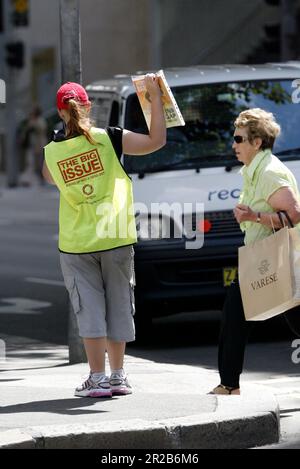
(20, 12)
(272, 38)
(15, 54)
(273, 3)
(272, 29)
(1, 17)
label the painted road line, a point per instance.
(45, 281)
(22, 305)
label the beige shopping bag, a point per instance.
(292, 316)
(294, 238)
(266, 275)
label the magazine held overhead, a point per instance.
(172, 112)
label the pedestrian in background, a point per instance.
(34, 138)
(269, 187)
(97, 228)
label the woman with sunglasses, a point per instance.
(268, 187)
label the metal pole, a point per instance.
(71, 71)
(10, 152)
(70, 41)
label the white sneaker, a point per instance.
(119, 385)
(91, 388)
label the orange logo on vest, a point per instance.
(80, 166)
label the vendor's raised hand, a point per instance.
(151, 83)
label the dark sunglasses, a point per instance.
(239, 138)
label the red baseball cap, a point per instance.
(71, 91)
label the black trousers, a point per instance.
(234, 334)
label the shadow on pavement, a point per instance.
(56, 406)
(194, 342)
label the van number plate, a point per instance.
(229, 275)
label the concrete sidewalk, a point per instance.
(169, 407)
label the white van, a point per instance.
(197, 165)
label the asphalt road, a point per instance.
(33, 300)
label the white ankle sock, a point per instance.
(98, 375)
(120, 372)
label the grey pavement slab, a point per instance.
(170, 407)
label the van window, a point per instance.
(101, 110)
(209, 112)
(114, 114)
(134, 117)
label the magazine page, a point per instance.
(173, 115)
(172, 112)
(143, 96)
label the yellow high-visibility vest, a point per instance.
(96, 210)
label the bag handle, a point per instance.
(281, 219)
(271, 220)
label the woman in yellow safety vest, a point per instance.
(97, 228)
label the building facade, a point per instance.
(123, 36)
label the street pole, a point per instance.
(70, 41)
(11, 155)
(71, 71)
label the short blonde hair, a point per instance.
(259, 123)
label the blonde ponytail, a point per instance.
(79, 122)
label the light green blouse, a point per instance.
(264, 176)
